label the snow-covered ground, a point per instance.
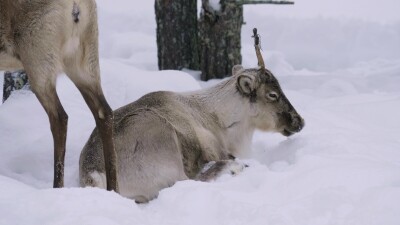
(341, 72)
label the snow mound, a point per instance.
(342, 75)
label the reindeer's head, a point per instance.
(273, 111)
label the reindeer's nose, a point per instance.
(298, 123)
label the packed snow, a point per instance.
(340, 71)
(215, 4)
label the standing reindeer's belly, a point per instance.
(2, 44)
(6, 42)
(8, 62)
(2, 34)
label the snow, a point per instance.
(341, 71)
(1, 86)
(215, 5)
(384, 11)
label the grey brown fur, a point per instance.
(165, 137)
(46, 38)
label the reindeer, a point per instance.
(165, 137)
(45, 38)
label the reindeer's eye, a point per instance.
(272, 95)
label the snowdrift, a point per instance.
(342, 76)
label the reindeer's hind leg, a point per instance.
(84, 71)
(104, 121)
(43, 86)
(81, 64)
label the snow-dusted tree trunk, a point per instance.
(177, 34)
(14, 81)
(220, 27)
(211, 44)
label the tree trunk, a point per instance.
(14, 81)
(177, 34)
(220, 29)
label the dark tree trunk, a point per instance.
(177, 34)
(14, 81)
(220, 38)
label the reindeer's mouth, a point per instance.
(287, 132)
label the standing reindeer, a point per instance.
(47, 37)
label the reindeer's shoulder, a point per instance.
(156, 100)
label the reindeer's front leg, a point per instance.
(215, 169)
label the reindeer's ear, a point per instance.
(236, 69)
(246, 84)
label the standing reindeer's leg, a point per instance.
(44, 88)
(104, 121)
(81, 64)
(84, 71)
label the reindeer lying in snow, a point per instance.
(165, 137)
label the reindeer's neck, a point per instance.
(222, 101)
(233, 112)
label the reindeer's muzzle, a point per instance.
(294, 123)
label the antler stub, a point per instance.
(257, 46)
